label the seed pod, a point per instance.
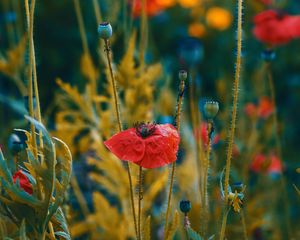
(105, 30)
(185, 206)
(211, 109)
(182, 75)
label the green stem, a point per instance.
(143, 37)
(234, 114)
(140, 201)
(177, 121)
(117, 113)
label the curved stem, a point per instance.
(117, 113)
(177, 122)
(234, 113)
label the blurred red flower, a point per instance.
(264, 109)
(266, 164)
(23, 181)
(275, 28)
(202, 132)
(147, 145)
(153, 7)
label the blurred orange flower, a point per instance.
(218, 18)
(189, 3)
(196, 30)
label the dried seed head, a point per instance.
(211, 109)
(185, 206)
(105, 30)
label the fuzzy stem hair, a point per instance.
(233, 115)
(177, 123)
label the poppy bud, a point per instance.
(268, 55)
(105, 30)
(182, 75)
(15, 144)
(211, 109)
(185, 206)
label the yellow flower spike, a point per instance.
(218, 18)
(196, 30)
(188, 3)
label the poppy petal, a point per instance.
(126, 145)
(161, 148)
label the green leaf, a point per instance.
(193, 235)
(63, 234)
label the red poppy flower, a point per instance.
(147, 145)
(23, 181)
(275, 28)
(267, 164)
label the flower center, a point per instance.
(145, 130)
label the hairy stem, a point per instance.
(205, 210)
(177, 122)
(117, 113)
(140, 201)
(234, 115)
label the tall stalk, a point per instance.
(233, 115)
(140, 201)
(117, 113)
(177, 122)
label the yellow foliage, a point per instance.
(15, 59)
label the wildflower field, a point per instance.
(149, 119)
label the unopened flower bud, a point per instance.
(182, 75)
(185, 206)
(105, 30)
(211, 109)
